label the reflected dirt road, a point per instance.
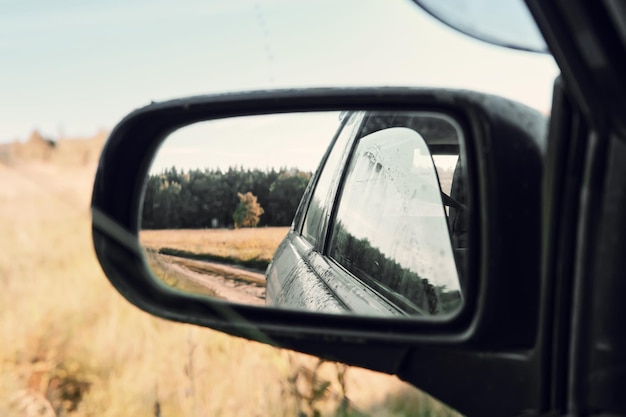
(230, 282)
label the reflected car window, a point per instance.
(313, 222)
(391, 230)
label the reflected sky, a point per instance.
(296, 140)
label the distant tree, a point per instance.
(208, 198)
(248, 212)
(285, 194)
(168, 212)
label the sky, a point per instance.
(70, 68)
(292, 140)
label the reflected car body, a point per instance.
(374, 221)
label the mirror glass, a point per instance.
(357, 212)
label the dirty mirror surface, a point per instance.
(358, 212)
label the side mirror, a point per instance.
(391, 258)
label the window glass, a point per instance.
(313, 222)
(445, 165)
(390, 229)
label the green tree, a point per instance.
(248, 212)
(285, 194)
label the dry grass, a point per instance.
(247, 246)
(70, 345)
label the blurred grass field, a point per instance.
(70, 345)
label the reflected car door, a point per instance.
(300, 276)
(390, 230)
(367, 237)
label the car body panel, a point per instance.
(299, 277)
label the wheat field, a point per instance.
(245, 245)
(70, 345)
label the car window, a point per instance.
(390, 229)
(445, 165)
(313, 224)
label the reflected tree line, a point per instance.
(178, 199)
(402, 286)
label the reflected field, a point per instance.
(222, 263)
(248, 247)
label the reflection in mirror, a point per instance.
(351, 212)
(389, 183)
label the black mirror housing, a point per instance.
(504, 150)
